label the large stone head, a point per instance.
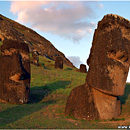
(109, 58)
(14, 72)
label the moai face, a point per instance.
(15, 72)
(59, 63)
(83, 68)
(109, 60)
(35, 57)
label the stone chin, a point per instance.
(112, 81)
(109, 77)
(118, 73)
(17, 93)
(19, 85)
(118, 77)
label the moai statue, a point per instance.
(35, 57)
(14, 72)
(59, 63)
(109, 62)
(83, 68)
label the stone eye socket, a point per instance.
(121, 56)
(113, 52)
(22, 77)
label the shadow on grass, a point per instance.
(37, 93)
(68, 69)
(124, 97)
(17, 112)
(43, 65)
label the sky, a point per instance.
(69, 25)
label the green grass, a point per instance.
(49, 91)
(1, 43)
(117, 119)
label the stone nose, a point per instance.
(18, 77)
(121, 56)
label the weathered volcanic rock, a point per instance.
(118, 108)
(1, 18)
(14, 72)
(106, 105)
(109, 63)
(80, 103)
(59, 63)
(35, 57)
(11, 46)
(83, 68)
(109, 57)
(85, 102)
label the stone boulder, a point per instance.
(14, 72)
(58, 63)
(83, 68)
(108, 69)
(80, 103)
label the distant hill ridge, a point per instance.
(12, 30)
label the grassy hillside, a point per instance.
(49, 91)
(16, 31)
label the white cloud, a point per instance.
(101, 5)
(66, 19)
(75, 60)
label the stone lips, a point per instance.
(59, 63)
(15, 72)
(83, 68)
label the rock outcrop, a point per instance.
(83, 68)
(14, 72)
(59, 63)
(109, 62)
(10, 29)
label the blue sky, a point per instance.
(68, 25)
